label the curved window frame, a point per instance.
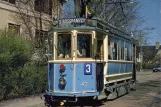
(92, 46)
(56, 47)
(113, 47)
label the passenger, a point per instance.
(64, 49)
(67, 48)
(84, 49)
(61, 49)
(79, 54)
(81, 49)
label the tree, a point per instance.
(118, 13)
(14, 53)
(35, 17)
(18, 77)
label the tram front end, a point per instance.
(72, 70)
(71, 82)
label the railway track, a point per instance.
(154, 101)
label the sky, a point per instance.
(68, 10)
(150, 11)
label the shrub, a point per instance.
(17, 76)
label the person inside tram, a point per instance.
(79, 52)
(81, 49)
(67, 50)
(64, 48)
(60, 49)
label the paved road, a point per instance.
(147, 95)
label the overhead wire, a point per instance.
(137, 15)
(148, 24)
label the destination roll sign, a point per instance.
(70, 22)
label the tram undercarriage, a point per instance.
(110, 92)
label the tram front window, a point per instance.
(84, 45)
(64, 45)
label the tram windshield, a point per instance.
(64, 45)
(84, 45)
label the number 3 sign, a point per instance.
(88, 69)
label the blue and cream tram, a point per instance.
(89, 59)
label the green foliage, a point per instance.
(148, 65)
(18, 77)
(138, 66)
(145, 65)
(14, 50)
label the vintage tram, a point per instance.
(88, 59)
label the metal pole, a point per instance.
(141, 52)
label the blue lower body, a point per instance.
(80, 80)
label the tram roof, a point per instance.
(88, 24)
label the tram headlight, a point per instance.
(62, 81)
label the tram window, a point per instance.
(110, 55)
(128, 51)
(84, 45)
(119, 50)
(100, 49)
(122, 50)
(113, 48)
(64, 46)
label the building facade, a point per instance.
(29, 18)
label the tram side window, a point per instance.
(64, 46)
(122, 50)
(113, 48)
(84, 45)
(100, 49)
(119, 50)
(128, 51)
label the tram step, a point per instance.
(101, 96)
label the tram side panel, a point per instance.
(117, 71)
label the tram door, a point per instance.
(99, 66)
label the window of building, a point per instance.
(10, 1)
(44, 6)
(64, 45)
(40, 36)
(14, 28)
(84, 45)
